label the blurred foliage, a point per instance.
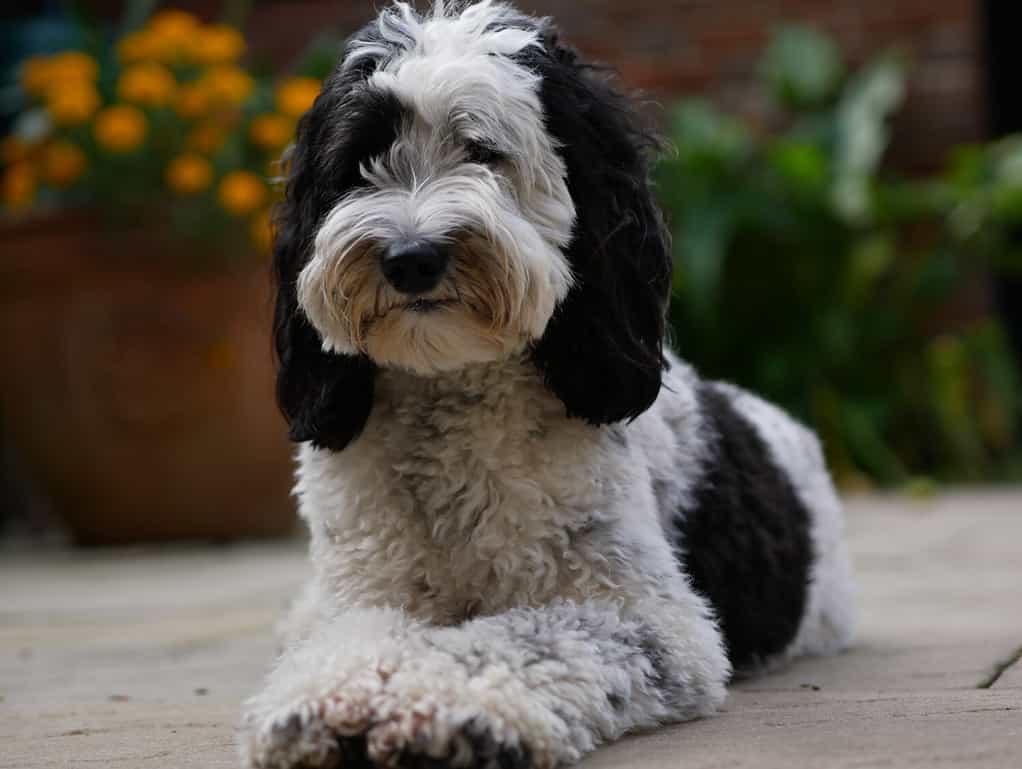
(807, 275)
(158, 121)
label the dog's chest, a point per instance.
(463, 499)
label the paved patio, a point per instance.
(139, 659)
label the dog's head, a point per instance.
(463, 190)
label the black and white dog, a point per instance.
(533, 528)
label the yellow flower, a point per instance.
(36, 75)
(120, 128)
(173, 23)
(228, 84)
(192, 101)
(17, 188)
(217, 44)
(172, 34)
(271, 131)
(207, 138)
(242, 192)
(262, 230)
(137, 46)
(40, 74)
(168, 37)
(63, 163)
(74, 65)
(189, 173)
(149, 84)
(72, 102)
(295, 95)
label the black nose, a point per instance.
(414, 267)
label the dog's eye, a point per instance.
(483, 154)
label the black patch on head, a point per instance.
(326, 397)
(602, 352)
(745, 542)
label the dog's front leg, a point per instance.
(531, 687)
(321, 697)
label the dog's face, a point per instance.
(462, 191)
(445, 244)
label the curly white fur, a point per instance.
(520, 597)
(497, 584)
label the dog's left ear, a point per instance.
(602, 351)
(326, 397)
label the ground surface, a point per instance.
(139, 659)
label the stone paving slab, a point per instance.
(139, 659)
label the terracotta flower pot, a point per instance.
(137, 391)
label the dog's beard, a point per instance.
(476, 314)
(487, 307)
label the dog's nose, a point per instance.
(414, 267)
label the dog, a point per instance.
(533, 527)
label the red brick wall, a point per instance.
(676, 48)
(683, 47)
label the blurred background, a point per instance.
(842, 181)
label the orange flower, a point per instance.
(271, 131)
(228, 84)
(217, 44)
(120, 128)
(168, 37)
(75, 65)
(137, 46)
(36, 75)
(189, 173)
(295, 95)
(40, 74)
(149, 84)
(242, 192)
(63, 163)
(17, 188)
(72, 102)
(172, 23)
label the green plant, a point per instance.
(806, 274)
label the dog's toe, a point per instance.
(434, 739)
(327, 733)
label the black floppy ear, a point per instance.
(602, 351)
(326, 397)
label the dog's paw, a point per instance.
(427, 736)
(324, 732)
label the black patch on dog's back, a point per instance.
(745, 542)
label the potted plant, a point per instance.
(136, 191)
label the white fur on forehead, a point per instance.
(455, 68)
(481, 28)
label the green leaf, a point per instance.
(700, 245)
(802, 164)
(802, 67)
(862, 134)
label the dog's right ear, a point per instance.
(326, 397)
